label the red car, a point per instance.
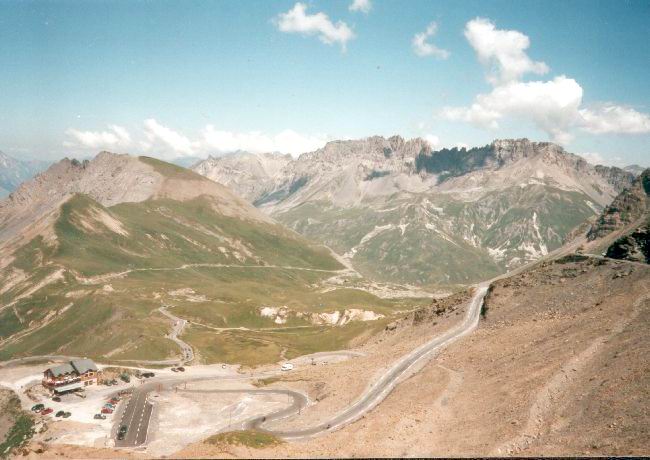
(49, 410)
(105, 410)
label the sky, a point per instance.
(188, 79)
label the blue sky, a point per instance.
(193, 78)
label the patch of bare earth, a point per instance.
(45, 450)
(559, 366)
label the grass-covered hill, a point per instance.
(91, 280)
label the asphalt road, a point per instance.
(137, 413)
(178, 325)
(377, 392)
(136, 416)
(382, 387)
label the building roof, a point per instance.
(76, 366)
(61, 369)
(83, 365)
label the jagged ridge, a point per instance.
(397, 208)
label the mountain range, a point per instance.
(400, 211)
(13, 172)
(90, 250)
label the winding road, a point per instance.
(376, 392)
(178, 325)
(138, 411)
(384, 385)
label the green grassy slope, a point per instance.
(433, 239)
(217, 271)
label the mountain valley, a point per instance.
(399, 211)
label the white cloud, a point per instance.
(296, 20)
(551, 105)
(593, 157)
(554, 106)
(611, 118)
(361, 5)
(115, 137)
(423, 47)
(166, 142)
(158, 134)
(596, 158)
(287, 141)
(504, 51)
(433, 140)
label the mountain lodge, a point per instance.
(71, 376)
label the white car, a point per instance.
(286, 367)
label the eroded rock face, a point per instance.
(348, 171)
(634, 246)
(247, 174)
(629, 206)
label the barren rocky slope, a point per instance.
(402, 212)
(629, 206)
(622, 231)
(247, 174)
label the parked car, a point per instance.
(148, 375)
(99, 417)
(38, 407)
(125, 378)
(120, 436)
(106, 410)
(124, 428)
(181, 368)
(67, 414)
(49, 410)
(114, 400)
(56, 398)
(174, 369)
(60, 413)
(286, 367)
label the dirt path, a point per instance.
(109, 276)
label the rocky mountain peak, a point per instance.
(629, 206)
(368, 148)
(511, 150)
(634, 169)
(111, 179)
